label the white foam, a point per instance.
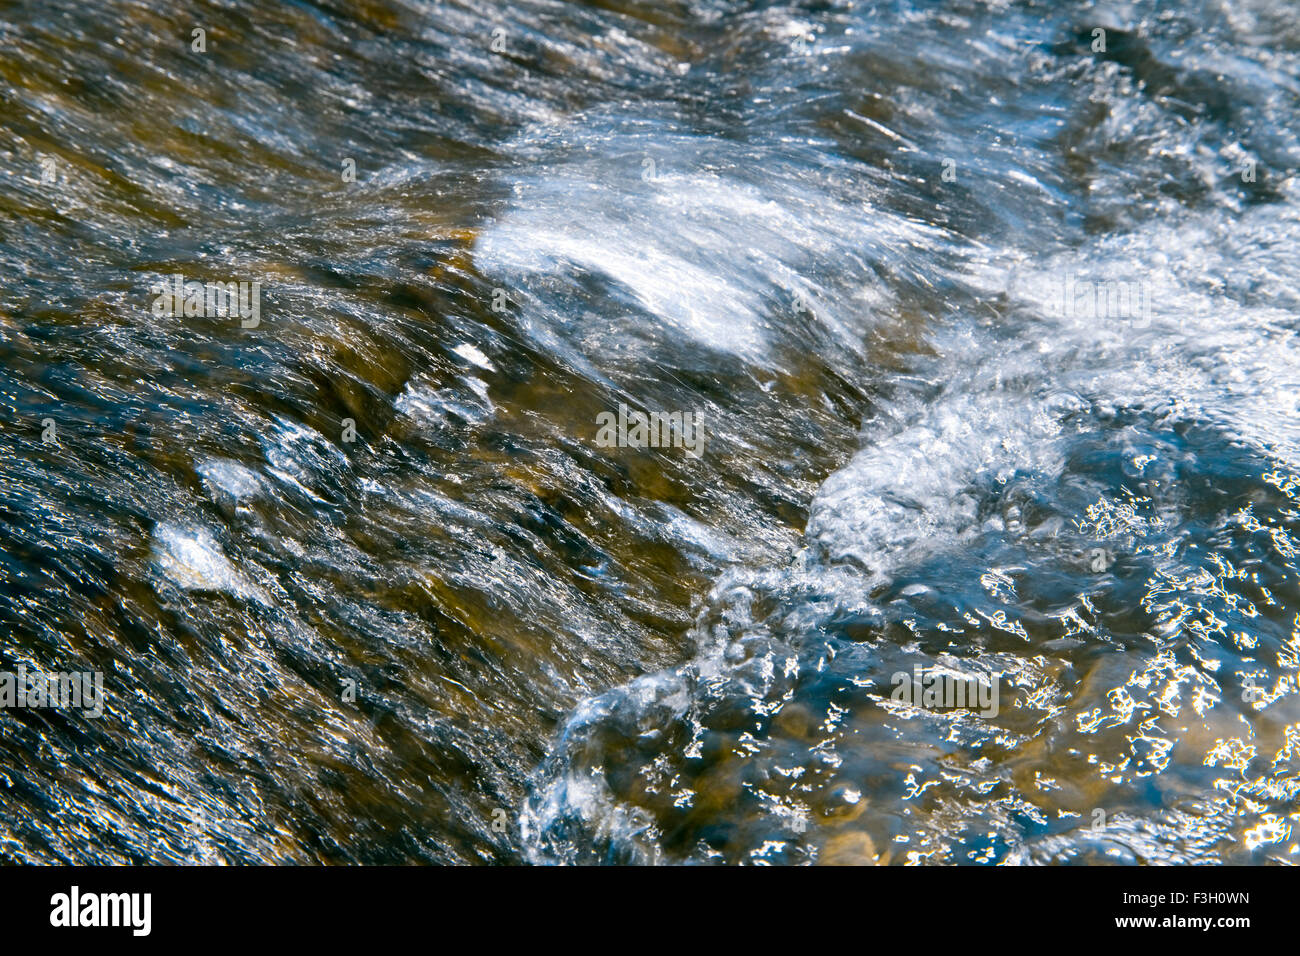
(192, 559)
(1209, 351)
(670, 238)
(229, 477)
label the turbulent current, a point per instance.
(986, 311)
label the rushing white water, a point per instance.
(1055, 456)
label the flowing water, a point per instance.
(991, 328)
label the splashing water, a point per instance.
(991, 329)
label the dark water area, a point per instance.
(988, 312)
